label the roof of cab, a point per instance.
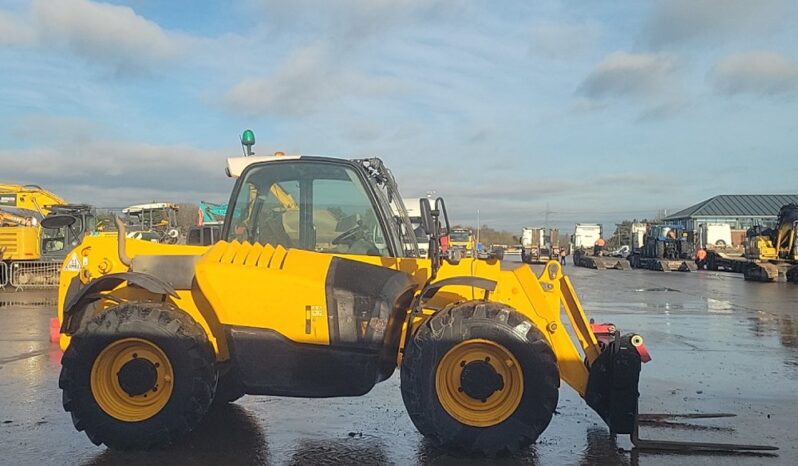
(237, 165)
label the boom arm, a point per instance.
(15, 220)
(30, 197)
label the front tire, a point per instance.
(479, 377)
(138, 376)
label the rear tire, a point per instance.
(173, 365)
(229, 388)
(515, 414)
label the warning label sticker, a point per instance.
(73, 265)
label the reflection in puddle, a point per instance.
(228, 435)
(719, 306)
(361, 450)
(641, 290)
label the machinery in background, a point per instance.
(155, 222)
(714, 236)
(771, 254)
(37, 229)
(462, 239)
(586, 235)
(63, 229)
(21, 209)
(532, 243)
(210, 219)
(587, 253)
(665, 248)
(422, 238)
(539, 245)
(210, 213)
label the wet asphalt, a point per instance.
(719, 344)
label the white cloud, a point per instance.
(761, 72)
(308, 79)
(350, 21)
(629, 74)
(716, 21)
(648, 80)
(81, 161)
(563, 40)
(111, 35)
(15, 31)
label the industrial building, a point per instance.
(739, 211)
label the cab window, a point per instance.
(308, 205)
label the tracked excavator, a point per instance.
(773, 252)
(325, 300)
(37, 229)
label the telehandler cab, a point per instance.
(315, 293)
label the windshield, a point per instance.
(459, 235)
(318, 206)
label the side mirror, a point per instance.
(440, 209)
(427, 220)
(58, 221)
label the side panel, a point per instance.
(271, 364)
(19, 243)
(265, 287)
(296, 319)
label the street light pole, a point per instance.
(477, 242)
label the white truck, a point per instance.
(532, 241)
(413, 207)
(638, 234)
(715, 235)
(585, 235)
(539, 244)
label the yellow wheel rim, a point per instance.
(459, 401)
(111, 379)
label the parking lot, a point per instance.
(719, 344)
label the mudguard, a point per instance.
(477, 282)
(78, 298)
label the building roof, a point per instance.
(737, 205)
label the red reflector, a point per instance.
(643, 352)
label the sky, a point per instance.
(528, 112)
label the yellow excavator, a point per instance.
(287, 305)
(21, 208)
(773, 252)
(37, 229)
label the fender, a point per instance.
(477, 282)
(431, 289)
(76, 299)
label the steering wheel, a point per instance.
(349, 235)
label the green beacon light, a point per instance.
(247, 141)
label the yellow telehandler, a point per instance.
(323, 299)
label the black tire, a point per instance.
(660, 250)
(229, 387)
(187, 348)
(497, 323)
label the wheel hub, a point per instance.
(137, 377)
(479, 380)
(132, 379)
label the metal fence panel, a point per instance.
(3, 274)
(34, 274)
